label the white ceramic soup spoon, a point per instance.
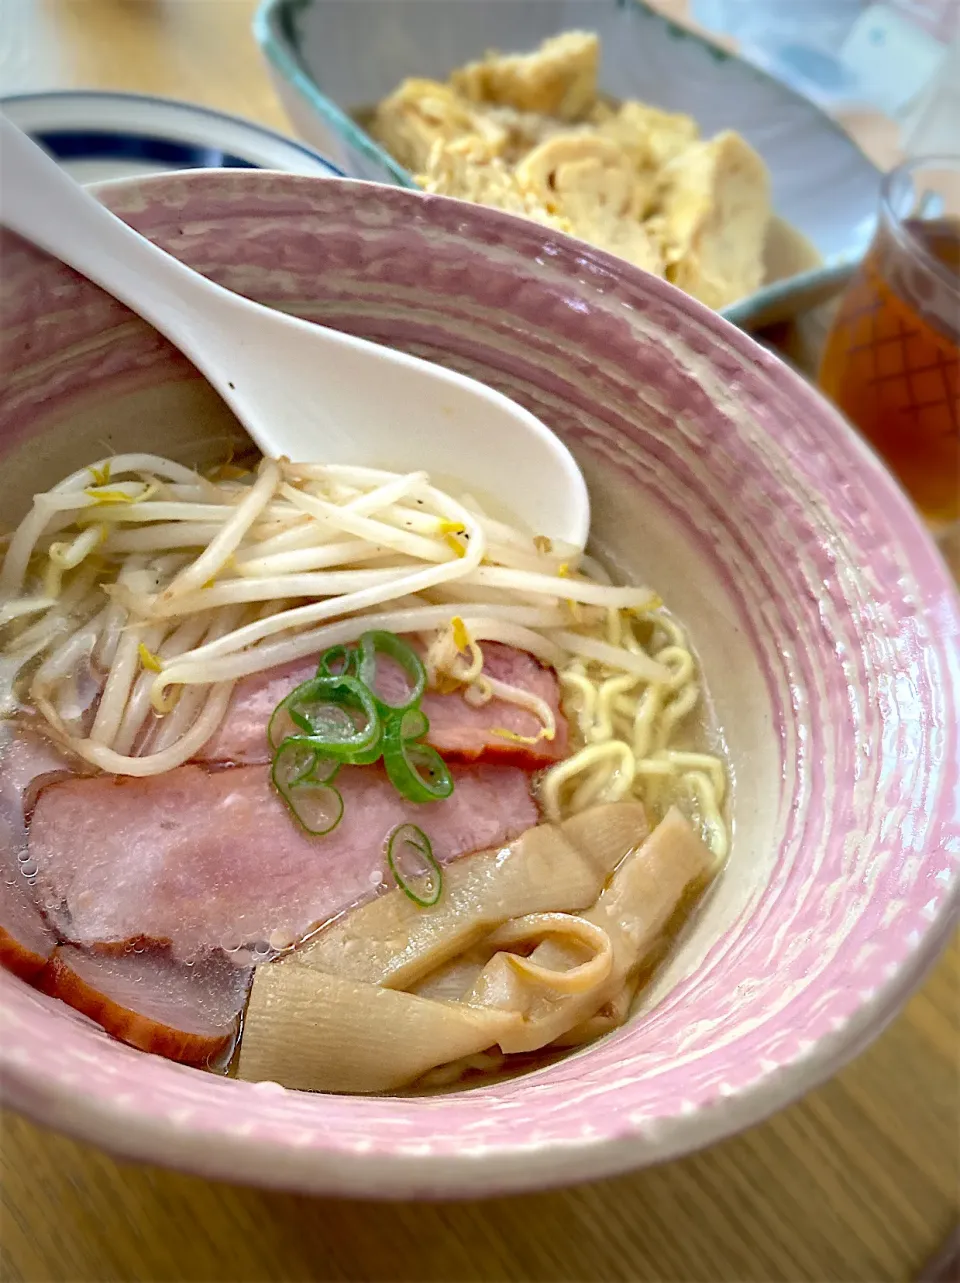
(302, 390)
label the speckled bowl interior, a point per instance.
(826, 626)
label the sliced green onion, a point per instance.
(338, 713)
(367, 756)
(339, 661)
(414, 723)
(298, 761)
(415, 770)
(318, 808)
(314, 803)
(407, 840)
(394, 648)
(338, 718)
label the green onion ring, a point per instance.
(322, 710)
(346, 655)
(414, 769)
(391, 645)
(337, 718)
(414, 723)
(298, 760)
(317, 808)
(413, 837)
(314, 803)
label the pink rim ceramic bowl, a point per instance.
(827, 627)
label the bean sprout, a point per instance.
(167, 587)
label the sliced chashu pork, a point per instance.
(151, 1001)
(26, 941)
(26, 762)
(144, 998)
(201, 859)
(457, 729)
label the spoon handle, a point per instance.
(45, 206)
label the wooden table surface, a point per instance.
(859, 1181)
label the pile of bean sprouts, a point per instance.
(136, 593)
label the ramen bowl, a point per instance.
(826, 626)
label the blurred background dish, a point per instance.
(330, 60)
(97, 136)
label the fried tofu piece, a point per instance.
(558, 79)
(420, 113)
(627, 239)
(470, 169)
(713, 210)
(523, 130)
(593, 183)
(529, 134)
(655, 136)
(582, 167)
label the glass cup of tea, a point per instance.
(892, 358)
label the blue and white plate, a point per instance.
(98, 136)
(329, 58)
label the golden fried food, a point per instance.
(418, 114)
(559, 79)
(714, 208)
(528, 133)
(472, 170)
(592, 183)
(655, 136)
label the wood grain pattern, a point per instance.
(858, 1182)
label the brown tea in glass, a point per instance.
(892, 358)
